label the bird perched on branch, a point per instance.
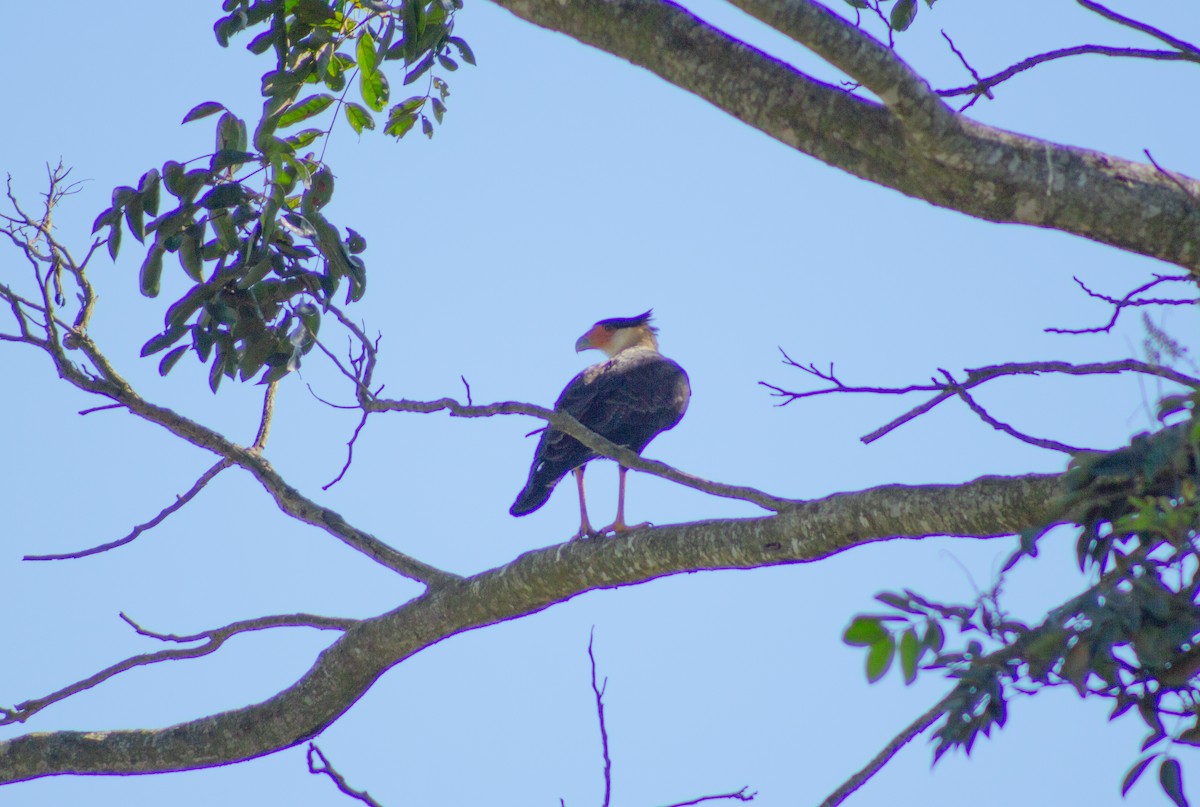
(628, 399)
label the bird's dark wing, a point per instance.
(628, 400)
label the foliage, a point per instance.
(1132, 637)
(247, 227)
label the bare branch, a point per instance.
(362, 422)
(1128, 301)
(324, 767)
(173, 507)
(212, 639)
(264, 424)
(599, 693)
(975, 377)
(1040, 442)
(738, 795)
(1129, 22)
(983, 86)
(910, 732)
(603, 447)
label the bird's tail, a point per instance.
(536, 493)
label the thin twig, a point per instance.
(910, 732)
(975, 377)
(95, 409)
(599, 692)
(986, 417)
(338, 779)
(1127, 301)
(173, 507)
(739, 795)
(984, 86)
(349, 451)
(1145, 28)
(978, 81)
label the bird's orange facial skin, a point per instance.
(599, 337)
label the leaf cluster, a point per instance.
(1132, 637)
(247, 225)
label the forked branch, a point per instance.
(951, 388)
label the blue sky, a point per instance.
(566, 186)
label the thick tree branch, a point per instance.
(857, 54)
(988, 507)
(962, 165)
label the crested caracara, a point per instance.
(628, 399)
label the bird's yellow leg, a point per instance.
(619, 525)
(585, 527)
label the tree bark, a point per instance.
(911, 142)
(986, 508)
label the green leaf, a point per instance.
(935, 638)
(202, 111)
(171, 359)
(468, 55)
(366, 53)
(439, 109)
(399, 123)
(447, 63)
(1170, 776)
(114, 241)
(879, 658)
(857, 3)
(190, 259)
(420, 68)
(359, 118)
(231, 133)
(151, 273)
(227, 157)
(374, 89)
(910, 654)
(163, 340)
(426, 126)
(302, 138)
(134, 218)
(218, 368)
(903, 13)
(1136, 771)
(263, 41)
(230, 194)
(305, 109)
(864, 631)
(148, 187)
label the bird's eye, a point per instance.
(610, 328)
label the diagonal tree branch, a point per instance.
(945, 159)
(906, 735)
(213, 639)
(173, 507)
(987, 507)
(1179, 44)
(602, 446)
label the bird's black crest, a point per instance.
(629, 322)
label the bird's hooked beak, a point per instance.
(584, 342)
